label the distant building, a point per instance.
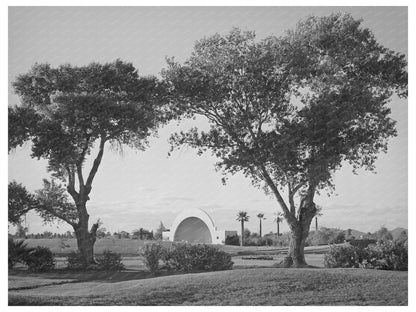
(196, 226)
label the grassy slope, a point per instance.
(261, 286)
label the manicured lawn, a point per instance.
(259, 286)
(130, 247)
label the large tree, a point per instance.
(287, 112)
(67, 111)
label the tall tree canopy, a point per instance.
(288, 111)
(65, 112)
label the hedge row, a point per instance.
(185, 258)
(385, 255)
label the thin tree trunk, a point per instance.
(242, 233)
(316, 224)
(278, 228)
(260, 228)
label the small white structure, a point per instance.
(196, 226)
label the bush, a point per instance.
(40, 259)
(344, 256)
(184, 257)
(74, 261)
(18, 252)
(387, 255)
(109, 261)
(152, 253)
(232, 240)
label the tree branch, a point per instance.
(270, 183)
(71, 184)
(95, 166)
(80, 178)
(57, 215)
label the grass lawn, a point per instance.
(130, 247)
(259, 286)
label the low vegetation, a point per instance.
(186, 258)
(18, 252)
(385, 255)
(39, 259)
(109, 261)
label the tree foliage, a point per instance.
(54, 203)
(65, 110)
(295, 107)
(20, 202)
(242, 216)
(289, 111)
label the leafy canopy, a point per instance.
(290, 110)
(65, 110)
(242, 216)
(20, 202)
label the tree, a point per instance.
(287, 112)
(142, 234)
(101, 232)
(20, 201)
(159, 231)
(242, 217)
(383, 234)
(317, 214)
(261, 217)
(278, 219)
(21, 231)
(65, 113)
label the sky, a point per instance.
(139, 189)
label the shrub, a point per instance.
(152, 253)
(40, 259)
(18, 252)
(388, 255)
(109, 261)
(232, 240)
(344, 256)
(184, 257)
(74, 261)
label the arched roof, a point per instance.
(196, 213)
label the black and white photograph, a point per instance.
(207, 155)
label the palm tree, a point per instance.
(242, 217)
(278, 219)
(261, 217)
(318, 214)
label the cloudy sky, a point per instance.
(140, 189)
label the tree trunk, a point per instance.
(85, 242)
(299, 233)
(296, 254)
(316, 224)
(242, 233)
(260, 228)
(85, 238)
(278, 228)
